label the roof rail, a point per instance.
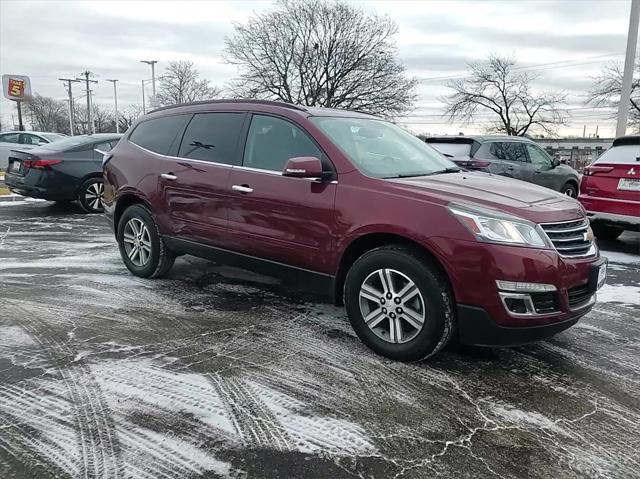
(243, 100)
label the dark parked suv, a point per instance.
(512, 156)
(419, 251)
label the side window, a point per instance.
(272, 141)
(159, 134)
(508, 151)
(10, 138)
(538, 157)
(27, 139)
(212, 137)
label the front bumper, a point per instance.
(476, 327)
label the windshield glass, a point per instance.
(381, 149)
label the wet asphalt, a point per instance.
(217, 372)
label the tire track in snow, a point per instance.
(97, 437)
(254, 422)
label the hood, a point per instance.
(515, 197)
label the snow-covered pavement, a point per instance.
(216, 372)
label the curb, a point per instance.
(5, 198)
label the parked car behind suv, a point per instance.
(610, 189)
(67, 170)
(513, 156)
(418, 250)
(24, 140)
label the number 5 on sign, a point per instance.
(16, 87)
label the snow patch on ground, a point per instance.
(624, 258)
(619, 293)
(526, 419)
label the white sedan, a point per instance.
(23, 140)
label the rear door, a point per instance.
(283, 219)
(194, 181)
(509, 158)
(616, 175)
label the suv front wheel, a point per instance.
(399, 304)
(142, 249)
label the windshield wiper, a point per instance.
(446, 170)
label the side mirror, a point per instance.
(303, 167)
(555, 162)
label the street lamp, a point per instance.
(153, 73)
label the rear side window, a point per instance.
(452, 149)
(624, 154)
(272, 141)
(508, 151)
(212, 137)
(159, 134)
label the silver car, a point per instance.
(23, 140)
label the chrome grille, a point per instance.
(570, 238)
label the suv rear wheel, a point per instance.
(143, 250)
(398, 303)
(606, 233)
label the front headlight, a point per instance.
(495, 229)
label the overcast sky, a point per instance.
(566, 42)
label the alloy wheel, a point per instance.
(93, 195)
(137, 242)
(392, 306)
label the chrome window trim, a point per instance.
(225, 165)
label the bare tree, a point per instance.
(47, 114)
(128, 116)
(607, 88)
(103, 119)
(181, 83)
(497, 89)
(316, 53)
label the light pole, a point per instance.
(153, 75)
(115, 99)
(625, 93)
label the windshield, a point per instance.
(53, 136)
(381, 149)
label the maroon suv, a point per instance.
(419, 251)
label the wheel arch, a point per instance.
(88, 176)
(366, 242)
(122, 203)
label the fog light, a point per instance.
(516, 305)
(520, 287)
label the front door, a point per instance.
(545, 173)
(193, 183)
(283, 219)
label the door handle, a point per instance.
(169, 176)
(242, 188)
(510, 168)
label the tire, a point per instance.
(90, 195)
(570, 190)
(606, 233)
(403, 265)
(153, 259)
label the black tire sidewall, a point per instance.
(82, 191)
(141, 213)
(437, 312)
(569, 186)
